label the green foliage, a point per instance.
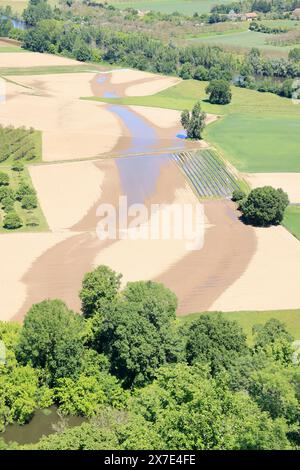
(23, 190)
(51, 340)
(18, 144)
(29, 201)
(12, 221)
(193, 122)
(99, 290)
(216, 341)
(139, 334)
(294, 54)
(189, 410)
(17, 166)
(87, 395)
(219, 92)
(8, 203)
(36, 12)
(6, 192)
(4, 179)
(193, 386)
(238, 195)
(274, 340)
(264, 206)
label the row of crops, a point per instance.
(17, 144)
(207, 172)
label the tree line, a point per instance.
(145, 379)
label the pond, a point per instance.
(43, 423)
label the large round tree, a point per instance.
(219, 92)
(264, 206)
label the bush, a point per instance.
(8, 203)
(17, 166)
(219, 92)
(24, 190)
(264, 206)
(12, 221)
(4, 179)
(5, 191)
(32, 221)
(29, 202)
(238, 195)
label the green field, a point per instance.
(15, 179)
(247, 320)
(20, 145)
(258, 132)
(187, 7)
(4, 71)
(258, 143)
(292, 220)
(241, 40)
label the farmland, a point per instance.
(187, 7)
(258, 132)
(207, 173)
(242, 40)
(292, 220)
(18, 148)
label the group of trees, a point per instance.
(24, 195)
(146, 380)
(262, 206)
(17, 145)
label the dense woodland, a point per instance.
(145, 379)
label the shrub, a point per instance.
(264, 206)
(8, 203)
(5, 191)
(12, 221)
(32, 221)
(18, 166)
(29, 202)
(219, 92)
(24, 190)
(238, 195)
(4, 179)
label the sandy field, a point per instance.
(271, 280)
(141, 253)
(67, 191)
(289, 182)
(33, 59)
(151, 87)
(18, 251)
(71, 128)
(121, 76)
(165, 117)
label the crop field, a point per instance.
(19, 144)
(207, 173)
(259, 132)
(247, 319)
(258, 144)
(187, 7)
(292, 220)
(241, 40)
(18, 148)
